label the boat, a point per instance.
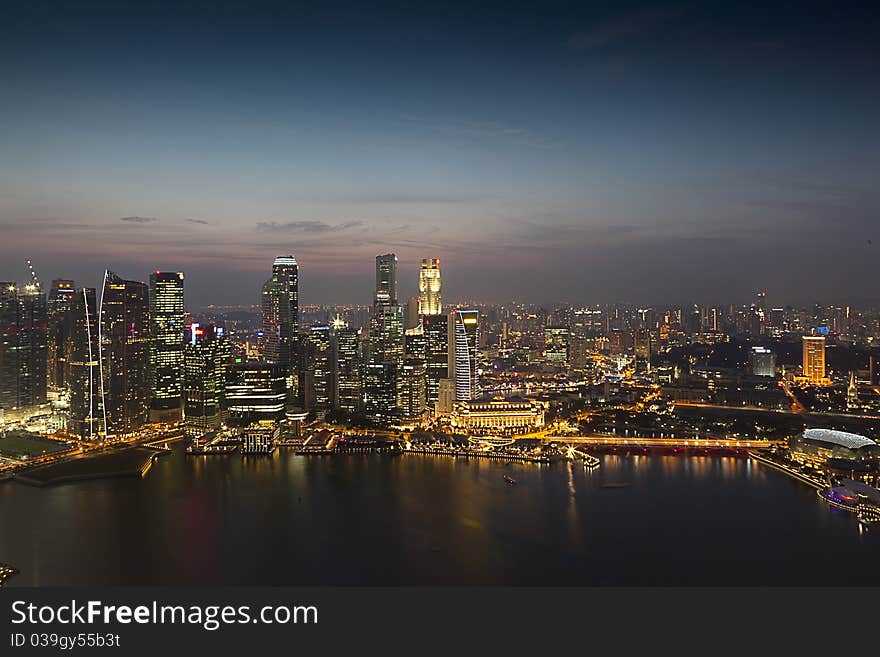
(510, 480)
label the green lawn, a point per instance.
(24, 444)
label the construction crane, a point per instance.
(34, 279)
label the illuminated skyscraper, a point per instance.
(763, 362)
(436, 338)
(464, 336)
(125, 354)
(60, 304)
(255, 392)
(317, 379)
(348, 370)
(166, 345)
(207, 355)
(386, 280)
(23, 345)
(85, 413)
(381, 383)
(556, 345)
(430, 302)
(412, 384)
(814, 359)
(280, 304)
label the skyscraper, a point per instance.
(412, 385)
(348, 370)
(317, 381)
(255, 392)
(763, 362)
(464, 336)
(85, 412)
(60, 304)
(207, 355)
(23, 345)
(280, 304)
(429, 287)
(814, 359)
(556, 345)
(124, 354)
(386, 280)
(166, 345)
(436, 336)
(381, 382)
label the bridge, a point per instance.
(688, 443)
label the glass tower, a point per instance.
(429, 287)
(166, 345)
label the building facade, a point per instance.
(23, 345)
(430, 300)
(166, 346)
(464, 338)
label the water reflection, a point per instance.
(377, 519)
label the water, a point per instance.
(378, 519)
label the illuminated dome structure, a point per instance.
(829, 448)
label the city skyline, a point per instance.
(627, 152)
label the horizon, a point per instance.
(595, 152)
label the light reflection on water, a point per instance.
(378, 519)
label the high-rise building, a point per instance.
(436, 336)
(59, 304)
(430, 302)
(82, 376)
(556, 345)
(644, 349)
(464, 336)
(207, 355)
(412, 385)
(386, 280)
(125, 354)
(349, 395)
(763, 362)
(255, 391)
(280, 305)
(814, 359)
(411, 314)
(166, 345)
(380, 391)
(23, 345)
(317, 380)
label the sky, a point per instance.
(546, 152)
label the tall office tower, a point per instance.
(643, 348)
(436, 334)
(23, 345)
(124, 353)
(166, 346)
(255, 392)
(380, 391)
(411, 314)
(317, 378)
(414, 343)
(386, 280)
(280, 303)
(814, 359)
(60, 304)
(412, 384)
(82, 375)
(556, 345)
(464, 336)
(206, 357)
(430, 302)
(763, 362)
(387, 349)
(348, 370)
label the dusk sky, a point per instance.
(644, 153)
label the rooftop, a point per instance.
(842, 438)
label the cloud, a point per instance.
(305, 226)
(139, 220)
(189, 220)
(625, 27)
